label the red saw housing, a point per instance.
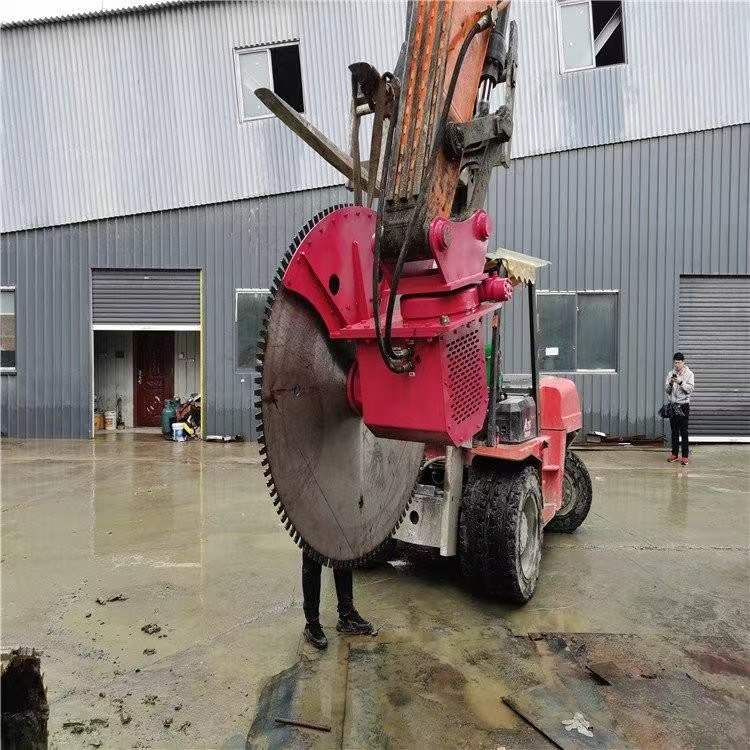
(443, 398)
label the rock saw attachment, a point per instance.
(372, 344)
(340, 491)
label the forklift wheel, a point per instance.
(577, 495)
(500, 530)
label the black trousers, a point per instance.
(311, 570)
(679, 428)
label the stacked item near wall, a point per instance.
(181, 421)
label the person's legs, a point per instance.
(350, 621)
(674, 429)
(684, 422)
(344, 591)
(311, 570)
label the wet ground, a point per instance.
(640, 621)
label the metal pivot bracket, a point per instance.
(484, 142)
(464, 138)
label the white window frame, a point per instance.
(586, 371)
(12, 370)
(238, 52)
(560, 53)
(237, 292)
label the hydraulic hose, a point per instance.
(387, 77)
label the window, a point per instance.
(249, 305)
(591, 34)
(277, 68)
(8, 330)
(577, 331)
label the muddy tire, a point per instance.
(500, 530)
(577, 495)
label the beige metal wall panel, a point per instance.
(129, 113)
(686, 69)
(115, 114)
(187, 364)
(113, 374)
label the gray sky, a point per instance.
(17, 10)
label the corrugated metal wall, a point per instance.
(137, 112)
(136, 298)
(686, 69)
(631, 217)
(235, 244)
(714, 335)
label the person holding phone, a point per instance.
(679, 385)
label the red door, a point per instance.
(153, 375)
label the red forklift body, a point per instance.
(560, 418)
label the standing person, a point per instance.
(679, 385)
(350, 622)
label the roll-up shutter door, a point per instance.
(146, 299)
(714, 335)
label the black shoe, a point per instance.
(354, 624)
(314, 635)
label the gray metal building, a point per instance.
(132, 154)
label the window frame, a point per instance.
(587, 370)
(263, 47)
(11, 288)
(237, 292)
(560, 52)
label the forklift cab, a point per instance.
(513, 409)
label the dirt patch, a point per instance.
(718, 663)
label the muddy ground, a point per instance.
(166, 600)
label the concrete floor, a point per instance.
(655, 584)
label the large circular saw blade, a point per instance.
(340, 490)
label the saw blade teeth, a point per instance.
(263, 342)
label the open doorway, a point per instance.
(135, 372)
(146, 337)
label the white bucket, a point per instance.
(110, 420)
(178, 432)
